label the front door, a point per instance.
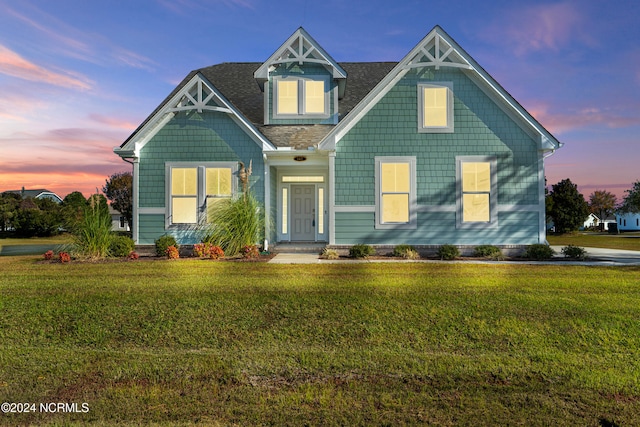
(303, 204)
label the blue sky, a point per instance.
(78, 76)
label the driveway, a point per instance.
(607, 256)
(11, 250)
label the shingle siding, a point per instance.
(196, 137)
(191, 137)
(437, 228)
(390, 128)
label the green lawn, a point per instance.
(628, 241)
(238, 343)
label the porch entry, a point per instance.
(302, 206)
(303, 209)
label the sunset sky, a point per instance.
(78, 76)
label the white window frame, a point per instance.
(450, 102)
(201, 189)
(413, 216)
(302, 113)
(493, 193)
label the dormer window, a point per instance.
(296, 96)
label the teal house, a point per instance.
(427, 151)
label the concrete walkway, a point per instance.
(595, 256)
(295, 258)
(607, 256)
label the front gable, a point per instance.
(197, 94)
(463, 152)
(438, 52)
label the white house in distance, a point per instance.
(118, 221)
(594, 221)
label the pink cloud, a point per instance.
(540, 27)
(71, 44)
(62, 182)
(180, 6)
(114, 122)
(68, 41)
(62, 160)
(568, 120)
(14, 65)
(60, 147)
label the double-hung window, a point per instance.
(477, 188)
(395, 186)
(297, 96)
(193, 188)
(435, 107)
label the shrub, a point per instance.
(411, 254)
(361, 251)
(448, 252)
(173, 253)
(202, 250)
(539, 252)
(93, 236)
(133, 255)
(121, 246)
(216, 252)
(64, 257)
(162, 243)
(488, 251)
(48, 255)
(574, 252)
(330, 254)
(235, 223)
(401, 250)
(250, 251)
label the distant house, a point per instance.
(118, 221)
(593, 221)
(36, 194)
(429, 150)
(628, 221)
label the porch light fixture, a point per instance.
(299, 158)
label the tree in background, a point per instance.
(119, 190)
(631, 202)
(38, 217)
(602, 203)
(73, 208)
(569, 209)
(9, 203)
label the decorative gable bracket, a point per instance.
(301, 48)
(436, 51)
(299, 51)
(199, 96)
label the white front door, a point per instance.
(303, 212)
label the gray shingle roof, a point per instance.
(237, 84)
(35, 194)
